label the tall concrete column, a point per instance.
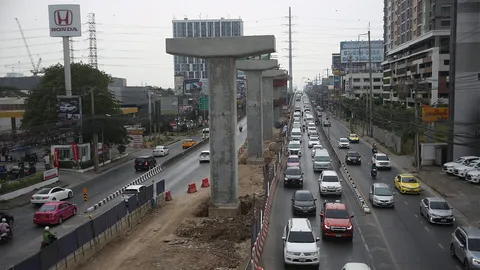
(267, 102)
(221, 55)
(253, 70)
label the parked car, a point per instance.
(45, 195)
(144, 163)
(473, 177)
(381, 195)
(465, 245)
(160, 151)
(187, 143)
(436, 210)
(204, 156)
(353, 157)
(462, 170)
(303, 203)
(54, 213)
(450, 166)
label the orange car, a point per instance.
(187, 143)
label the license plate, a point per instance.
(302, 259)
(305, 211)
(443, 220)
(339, 235)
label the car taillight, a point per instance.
(146, 163)
(134, 164)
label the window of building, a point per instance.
(210, 30)
(190, 60)
(356, 88)
(177, 68)
(196, 30)
(227, 29)
(223, 31)
(191, 74)
(236, 29)
(377, 79)
(356, 80)
(376, 87)
(217, 29)
(181, 30)
(175, 30)
(203, 29)
(446, 62)
(189, 29)
(366, 79)
(445, 22)
(445, 10)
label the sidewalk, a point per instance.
(460, 194)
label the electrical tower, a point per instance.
(72, 52)
(290, 61)
(92, 38)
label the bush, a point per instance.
(66, 164)
(86, 164)
(10, 186)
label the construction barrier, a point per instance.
(168, 196)
(192, 188)
(205, 183)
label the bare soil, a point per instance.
(179, 235)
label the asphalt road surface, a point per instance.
(27, 237)
(408, 238)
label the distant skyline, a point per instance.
(131, 35)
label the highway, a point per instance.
(27, 237)
(407, 237)
(333, 254)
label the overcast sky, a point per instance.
(131, 34)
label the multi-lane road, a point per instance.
(398, 238)
(27, 237)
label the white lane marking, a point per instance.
(440, 245)
(426, 228)
(415, 215)
(405, 202)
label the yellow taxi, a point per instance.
(187, 143)
(353, 138)
(407, 183)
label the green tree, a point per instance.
(41, 105)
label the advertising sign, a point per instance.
(65, 20)
(431, 114)
(69, 109)
(192, 86)
(357, 51)
(203, 103)
(55, 158)
(169, 105)
(336, 82)
(75, 151)
(136, 137)
(50, 174)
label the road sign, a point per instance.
(203, 103)
(85, 196)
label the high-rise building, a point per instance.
(194, 68)
(416, 46)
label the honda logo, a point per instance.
(63, 17)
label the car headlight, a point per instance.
(339, 188)
(349, 159)
(290, 253)
(475, 261)
(286, 179)
(326, 226)
(349, 227)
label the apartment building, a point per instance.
(195, 68)
(416, 45)
(358, 84)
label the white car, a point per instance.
(473, 177)
(296, 125)
(461, 171)
(204, 156)
(296, 119)
(343, 143)
(315, 148)
(314, 137)
(312, 131)
(132, 190)
(381, 160)
(355, 266)
(313, 142)
(67, 108)
(51, 194)
(300, 244)
(329, 183)
(450, 166)
(160, 151)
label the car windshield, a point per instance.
(303, 196)
(293, 171)
(314, 138)
(343, 140)
(159, 147)
(383, 191)
(382, 158)
(330, 179)
(47, 208)
(141, 159)
(294, 144)
(318, 147)
(353, 154)
(293, 160)
(321, 158)
(473, 164)
(409, 180)
(474, 244)
(459, 160)
(439, 206)
(337, 213)
(204, 154)
(301, 237)
(353, 135)
(43, 191)
(130, 191)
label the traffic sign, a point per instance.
(203, 103)
(85, 197)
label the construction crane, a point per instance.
(36, 68)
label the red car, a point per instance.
(54, 213)
(336, 221)
(293, 161)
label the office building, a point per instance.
(193, 68)
(358, 84)
(416, 45)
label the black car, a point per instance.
(303, 203)
(293, 176)
(144, 163)
(353, 157)
(327, 123)
(8, 217)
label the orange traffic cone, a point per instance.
(192, 188)
(205, 183)
(168, 196)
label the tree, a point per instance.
(41, 111)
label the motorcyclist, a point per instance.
(48, 237)
(373, 171)
(374, 148)
(5, 227)
(240, 127)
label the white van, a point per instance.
(309, 118)
(296, 134)
(321, 161)
(205, 133)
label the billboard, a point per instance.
(357, 51)
(69, 109)
(169, 105)
(192, 86)
(336, 82)
(65, 20)
(431, 114)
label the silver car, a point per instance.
(381, 195)
(436, 210)
(465, 245)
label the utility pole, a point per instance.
(95, 134)
(370, 126)
(452, 74)
(290, 61)
(150, 123)
(417, 139)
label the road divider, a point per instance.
(205, 183)
(183, 154)
(192, 188)
(168, 196)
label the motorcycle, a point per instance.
(374, 151)
(373, 173)
(53, 238)
(5, 236)
(240, 128)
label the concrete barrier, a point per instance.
(183, 154)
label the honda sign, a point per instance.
(65, 20)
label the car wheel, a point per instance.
(70, 195)
(60, 220)
(452, 251)
(74, 211)
(359, 163)
(54, 199)
(465, 265)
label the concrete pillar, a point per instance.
(267, 102)
(253, 70)
(221, 55)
